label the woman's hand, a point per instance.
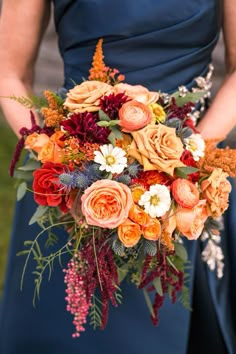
(220, 118)
(22, 25)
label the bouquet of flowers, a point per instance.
(128, 176)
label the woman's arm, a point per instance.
(22, 24)
(220, 119)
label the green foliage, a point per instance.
(150, 247)
(189, 97)
(30, 101)
(95, 313)
(183, 172)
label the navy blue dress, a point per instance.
(160, 44)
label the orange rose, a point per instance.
(157, 147)
(137, 191)
(185, 193)
(36, 141)
(134, 115)
(86, 96)
(52, 151)
(152, 229)
(190, 222)
(106, 203)
(138, 215)
(129, 233)
(216, 190)
(137, 92)
(168, 228)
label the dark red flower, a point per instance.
(112, 103)
(84, 127)
(174, 111)
(46, 189)
(187, 159)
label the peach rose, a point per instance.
(137, 92)
(152, 229)
(137, 191)
(138, 215)
(134, 115)
(157, 147)
(86, 96)
(168, 228)
(36, 141)
(215, 190)
(129, 233)
(190, 222)
(185, 193)
(106, 203)
(53, 151)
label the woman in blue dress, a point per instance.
(161, 45)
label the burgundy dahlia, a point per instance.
(174, 111)
(112, 103)
(83, 126)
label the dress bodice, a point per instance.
(160, 44)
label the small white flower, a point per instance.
(112, 159)
(156, 201)
(196, 145)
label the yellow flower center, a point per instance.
(110, 160)
(154, 200)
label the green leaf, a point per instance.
(103, 116)
(122, 272)
(25, 175)
(157, 284)
(30, 166)
(181, 251)
(103, 123)
(114, 122)
(148, 302)
(21, 190)
(117, 133)
(40, 211)
(189, 97)
(112, 138)
(183, 172)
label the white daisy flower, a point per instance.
(156, 201)
(196, 145)
(112, 159)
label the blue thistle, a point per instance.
(125, 179)
(67, 180)
(133, 169)
(81, 180)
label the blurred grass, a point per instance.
(7, 193)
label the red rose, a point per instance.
(46, 187)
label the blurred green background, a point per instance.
(7, 192)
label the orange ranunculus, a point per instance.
(190, 222)
(52, 152)
(134, 115)
(216, 190)
(157, 147)
(129, 233)
(86, 96)
(168, 228)
(152, 229)
(36, 141)
(185, 193)
(106, 203)
(138, 215)
(137, 191)
(137, 92)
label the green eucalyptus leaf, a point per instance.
(103, 116)
(157, 284)
(148, 302)
(184, 171)
(40, 211)
(31, 165)
(25, 175)
(189, 97)
(181, 251)
(21, 190)
(117, 133)
(112, 138)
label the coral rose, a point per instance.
(185, 193)
(36, 141)
(216, 190)
(106, 203)
(157, 147)
(46, 187)
(152, 229)
(134, 115)
(53, 151)
(138, 215)
(190, 222)
(129, 233)
(137, 92)
(86, 96)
